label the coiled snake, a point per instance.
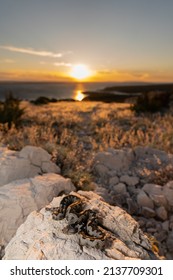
(83, 222)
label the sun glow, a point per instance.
(80, 72)
(79, 96)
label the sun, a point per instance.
(80, 72)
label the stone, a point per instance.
(153, 189)
(152, 158)
(161, 235)
(171, 222)
(165, 225)
(132, 206)
(36, 155)
(148, 212)
(113, 181)
(168, 192)
(29, 162)
(162, 213)
(144, 201)
(141, 222)
(169, 242)
(129, 180)
(41, 237)
(159, 200)
(120, 188)
(19, 198)
(115, 159)
(101, 170)
(151, 223)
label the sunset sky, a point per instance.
(113, 40)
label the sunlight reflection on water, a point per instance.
(79, 95)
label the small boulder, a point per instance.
(148, 212)
(19, 198)
(162, 213)
(144, 201)
(129, 180)
(168, 192)
(169, 242)
(120, 188)
(113, 181)
(41, 237)
(101, 170)
(27, 163)
(115, 159)
(151, 189)
(159, 200)
(165, 225)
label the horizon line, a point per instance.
(81, 82)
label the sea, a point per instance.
(58, 90)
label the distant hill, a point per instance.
(120, 93)
(141, 88)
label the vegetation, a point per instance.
(43, 100)
(73, 131)
(163, 175)
(153, 101)
(10, 111)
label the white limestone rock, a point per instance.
(144, 201)
(168, 192)
(114, 159)
(113, 181)
(162, 213)
(161, 195)
(153, 189)
(41, 237)
(159, 200)
(125, 162)
(101, 170)
(129, 180)
(19, 198)
(29, 162)
(120, 188)
(152, 158)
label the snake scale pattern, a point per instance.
(83, 222)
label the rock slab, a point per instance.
(29, 162)
(19, 198)
(41, 237)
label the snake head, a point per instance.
(71, 218)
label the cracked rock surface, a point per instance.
(41, 237)
(19, 198)
(29, 162)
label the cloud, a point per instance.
(42, 62)
(7, 60)
(31, 51)
(105, 72)
(62, 64)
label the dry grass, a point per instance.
(73, 132)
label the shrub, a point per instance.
(10, 111)
(42, 100)
(152, 101)
(162, 176)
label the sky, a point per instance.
(114, 40)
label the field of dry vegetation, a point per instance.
(73, 131)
